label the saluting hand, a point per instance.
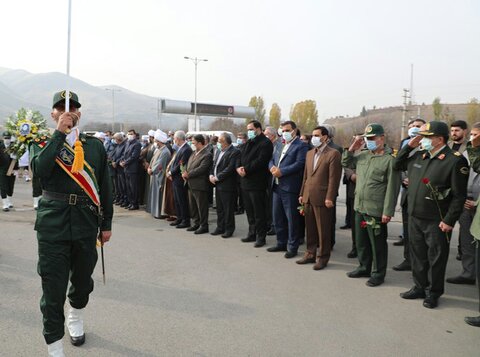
(358, 142)
(415, 141)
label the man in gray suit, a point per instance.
(196, 176)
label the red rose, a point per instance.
(426, 181)
(363, 224)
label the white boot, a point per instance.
(56, 349)
(9, 200)
(5, 204)
(35, 202)
(75, 326)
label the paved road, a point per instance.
(170, 293)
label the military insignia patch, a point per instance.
(369, 129)
(464, 170)
(63, 94)
(456, 153)
(441, 157)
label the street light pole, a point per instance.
(196, 60)
(113, 90)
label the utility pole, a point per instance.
(196, 60)
(411, 101)
(406, 97)
(113, 90)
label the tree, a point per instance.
(437, 108)
(226, 124)
(364, 112)
(305, 115)
(275, 115)
(473, 111)
(448, 116)
(259, 105)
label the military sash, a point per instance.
(85, 178)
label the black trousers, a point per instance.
(429, 253)
(198, 204)
(59, 262)
(256, 209)
(351, 221)
(121, 187)
(6, 185)
(180, 198)
(477, 268)
(132, 188)
(225, 201)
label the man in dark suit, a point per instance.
(321, 180)
(253, 170)
(196, 176)
(224, 177)
(131, 167)
(287, 167)
(239, 206)
(180, 192)
(121, 197)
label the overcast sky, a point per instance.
(341, 53)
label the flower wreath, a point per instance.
(25, 126)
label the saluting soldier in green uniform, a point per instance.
(437, 191)
(75, 209)
(376, 195)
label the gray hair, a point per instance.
(270, 130)
(227, 138)
(118, 136)
(180, 134)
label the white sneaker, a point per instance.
(56, 349)
(9, 201)
(5, 205)
(75, 326)
(35, 202)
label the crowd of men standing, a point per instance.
(288, 183)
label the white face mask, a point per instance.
(193, 147)
(7, 142)
(130, 137)
(316, 141)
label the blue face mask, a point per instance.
(426, 144)
(219, 146)
(175, 147)
(251, 134)
(371, 144)
(287, 136)
(239, 141)
(412, 132)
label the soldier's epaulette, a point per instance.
(456, 153)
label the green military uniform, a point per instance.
(67, 227)
(376, 193)
(7, 183)
(447, 171)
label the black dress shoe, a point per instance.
(249, 239)
(217, 232)
(201, 230)
(133, 208)
(430, 302)
(227, 234)
(77, 341)
(290, 254)
(277, 248)
(403, 266)
(260, 243)
(399, 243)
(345, 227)
(473, 321)
(240, 211)
(374, 282)
(183, 225)
(413, 293)
(358, 274)
(175, 223)
(192, 228)
(461, 280)
(271, 232)
(124, 205)
(352, 253)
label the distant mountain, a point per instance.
(19, 88)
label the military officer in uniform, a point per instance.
(75, 209)
(376, 195)
(437, 191)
